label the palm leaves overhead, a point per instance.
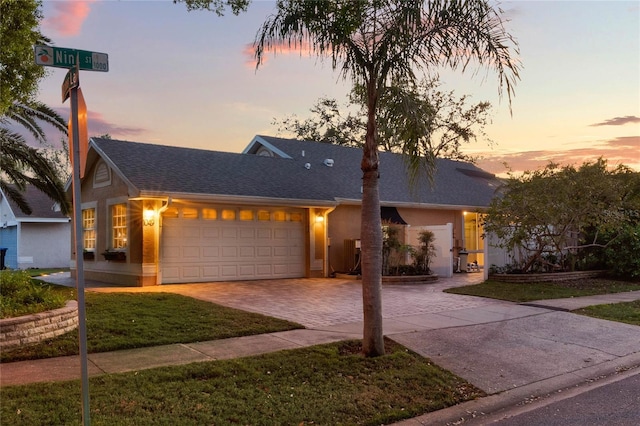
(21, 164)
(376, 43)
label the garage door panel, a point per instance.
(198, 250)
(209, 232)
(211, 253)
(191, 252)
(248, 252)
(264, 234)
(229, 252)
(229, 271)
(231, 232)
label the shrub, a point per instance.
(20, 295)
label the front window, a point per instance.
(89, 229)
(119, 226)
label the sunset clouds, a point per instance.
(619, 121)
(67, 19)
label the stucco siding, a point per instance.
(44, 245)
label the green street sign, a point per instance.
(61, 57)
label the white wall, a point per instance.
(44, 245)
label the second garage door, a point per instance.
(225, 244)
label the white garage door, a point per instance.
(209, 244)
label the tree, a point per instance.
(548, 216)
(447, 121)
(380, 44)
(217, 6)
(21, 164)
(19, 74)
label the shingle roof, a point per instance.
(455, 183)
(42, 207)
(174, 170)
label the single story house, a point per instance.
(36, 240)
(282, 208)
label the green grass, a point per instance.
(22, 295)
(326, 384)
(36, 272)
(541, 291)
(133, 320)
(627, 312)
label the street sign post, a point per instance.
(75, 60)
(62, 57)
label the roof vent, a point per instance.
(307, 166)
(328, 162)
(303, 152)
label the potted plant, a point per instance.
(114, 255)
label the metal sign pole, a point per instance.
(78, 237)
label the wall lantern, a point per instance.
(319, 218)
(148, 217)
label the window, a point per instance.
(189, 213)
(89, 229)
(228, 214)
(209, 214)
(246, 214)
(264, 215)
(119, 226)
(279, 216)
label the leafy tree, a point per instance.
(381, 44)
(548, 216)
(217, 6)
(21, 164)
(446, 121)
(19, 74)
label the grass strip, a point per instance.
(325, 384)
(133, 320)
(527, 292)
(627, 312)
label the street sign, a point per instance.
(61, 57)
(71, 81)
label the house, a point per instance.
(283, 208)
(37, 240)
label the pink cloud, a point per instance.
(68, 17)
(621, 150)
(618, 121)
(286, 48)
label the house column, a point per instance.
(150, 241)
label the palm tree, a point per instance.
(376, 43)
(21, 164)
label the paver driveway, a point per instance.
(317, 302)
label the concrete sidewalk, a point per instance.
(511, 351)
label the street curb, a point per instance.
(492, 404)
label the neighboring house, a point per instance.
(41, 239)
(281, 209)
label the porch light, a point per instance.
(148, 217)
(319, 218)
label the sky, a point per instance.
(189, 79)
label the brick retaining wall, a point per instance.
(34, 328)
(551, 277)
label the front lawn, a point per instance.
(323, 385)
(527, 292)
(627, 312)
(133, 320)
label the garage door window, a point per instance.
(228, 214)
(246, 215)
(264, 215)
(209, 214)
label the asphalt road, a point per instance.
(614, 401)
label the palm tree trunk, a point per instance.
(371, 238)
